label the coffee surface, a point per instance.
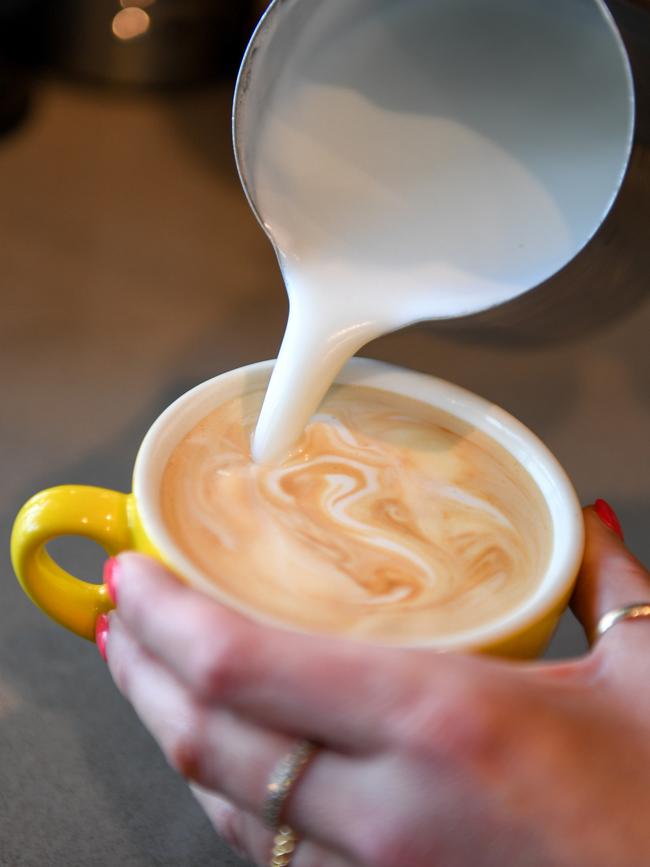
(390, 521)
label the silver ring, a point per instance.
(282, 780)
(635, 611)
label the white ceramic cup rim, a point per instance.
(566, 515)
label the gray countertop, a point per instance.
(130, 270)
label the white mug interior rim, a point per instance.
(566, 515)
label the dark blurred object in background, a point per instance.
(633, 19)
(22, 49)
(149, 42)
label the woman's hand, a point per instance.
(427, 759)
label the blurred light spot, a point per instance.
(10, 701)
(130, 23)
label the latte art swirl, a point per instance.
(390, 521)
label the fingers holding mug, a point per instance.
(229, 755)
(264, 673)
(613, 590)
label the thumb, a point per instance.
(610, 577)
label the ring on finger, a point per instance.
(284, 845)
(635, 611)
(284, 777)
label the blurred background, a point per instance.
(130, 270)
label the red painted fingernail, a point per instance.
(608, 516)
(111, 568)
(101, 634)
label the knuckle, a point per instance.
(463, 725)
(184, 755)
(185, 750)
(215, 665)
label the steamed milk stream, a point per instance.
(423, 159)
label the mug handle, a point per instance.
(69, 510)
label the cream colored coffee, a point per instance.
(390, 521)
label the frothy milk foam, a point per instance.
(390, 521)
(417, 160)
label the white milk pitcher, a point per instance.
(420, 160)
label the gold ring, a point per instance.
(636, 611)
(283, 778)
(284, 845)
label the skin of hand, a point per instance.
(425, 759)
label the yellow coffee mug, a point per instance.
(121, 522)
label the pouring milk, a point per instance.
(420, 159)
